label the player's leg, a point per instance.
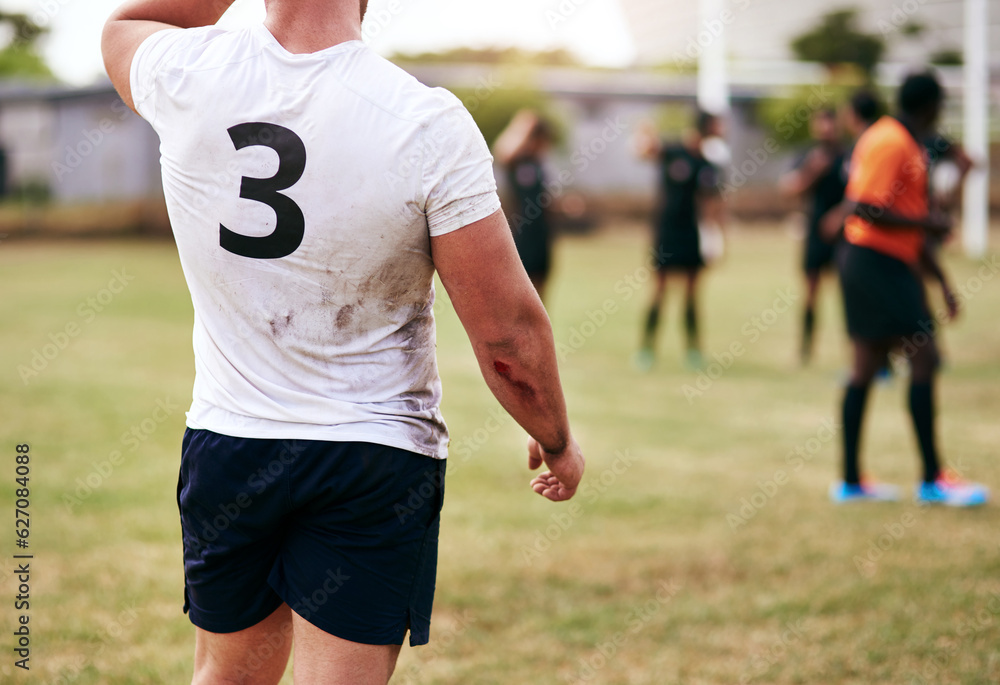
(866, 357)
(923, 363)
(255, 656)
(644, 360)
(936, 487)
(809, 314)
(324, 659)
(691, 336)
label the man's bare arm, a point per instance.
(136, 20)
(934, 223)
(512, 340)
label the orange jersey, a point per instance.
(888, 170)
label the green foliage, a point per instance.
(493, 111)
(837, 40)
(949, 57)
(20, 57)
(506, 56)
(21, 60)
(673, 119)
(787, 119)
(913, 29)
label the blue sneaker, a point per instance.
(693, 359)
(952, 492)
(842, 493)
(643, 360)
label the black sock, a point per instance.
(922, 412)
(691, 325)
(652, 323)
(808, 326)
(853, 412)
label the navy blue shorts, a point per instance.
(345, 533)
(883, 297)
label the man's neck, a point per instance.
(305, 27)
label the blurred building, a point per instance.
(761, 30)
(76, 144)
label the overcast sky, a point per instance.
(593, 29)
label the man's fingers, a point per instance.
(548, 486)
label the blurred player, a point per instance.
(821, 176)
(688, 194)
(313, 189)
(520, 150)
(889, 219)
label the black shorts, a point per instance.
(534, 248)
(677, 248)
(883, 297)
(818, 253)
(345, 533)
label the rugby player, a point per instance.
(313, 189)
(889, 221)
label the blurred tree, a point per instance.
(837, 40)
(949, 57)
(505, 56)
(20, 56)
(493, 111)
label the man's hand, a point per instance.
(950, 300)
(562, 479)
(938, 223)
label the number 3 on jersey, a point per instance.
(289, 224)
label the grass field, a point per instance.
(703, 550)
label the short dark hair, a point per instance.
(865, 105)
(919, 91)
(703, 121)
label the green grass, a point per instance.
(530, 592)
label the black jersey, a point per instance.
(531, 230)
(829, 188)
(684, 177)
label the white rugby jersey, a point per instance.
(303, 191)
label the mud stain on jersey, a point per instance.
(280, 324)
(344, 316)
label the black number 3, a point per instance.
(289, 223)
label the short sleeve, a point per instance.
(875, 169)
(708, 179)
(147, 63)
(458, 183)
